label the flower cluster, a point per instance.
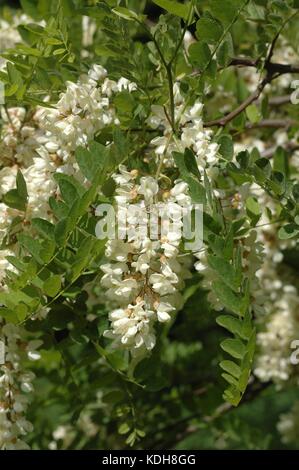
(15, 385)
(280, 290)
(144, 276)
(288, 425)
(82, 111)
(41, 142)
(192, 134)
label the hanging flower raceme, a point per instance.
(15, 386)
(83, 109)
(144, 273)
(39, 143)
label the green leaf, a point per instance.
(253, 113)
(16, 262)
(197, 190)
(232, 394)
(9, 315)
(230, 379)
(43, 227)
(288, 231)
(225, 13)
(227, 297)
(31, 245)
(59, 208)
(226, 272)
(264, 166)
(234, 347)
(17, 198)
(253, 209)
(47, 251)
(200, 54)
(30, 7)
(174, 7)
(83, 256)
(105, 51)
(226, 51)
(14, 75)
(277, 183)
(90, 161)
(191, 163)
(68, 191)
(280, 161)
(124, 428)
(52, 285)
(21, 186)
(59, 51)
(21, 311)
(13, 199)
(247, 361)
(125, 13)
(243, 158)
(226, 147)
(231, 367)
(53, 41)
(209, 29)
(234, 325)
(62, 230)
(28, 51)
(124, 102)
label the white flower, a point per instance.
(161, 284)
(125, 288)
(147, 290)
(118, 250)
(15, 385)
(163, 309)
(124, 176)
(143, 263)
(148, 187)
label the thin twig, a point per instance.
(272, 123)
(230, 116)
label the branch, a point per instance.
(274, 70)
(244, 62)
(271, 67)
(272, 123)
(279, 100)
(221, 410)
(274, 67)
(289, 147)
(251, 98)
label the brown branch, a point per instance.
(271, 67)
(230, 116)
(272, 123)
(274, 67)
(279, 100)
(244, 62)
(289, 147)
(254, 391)
(274, 70)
